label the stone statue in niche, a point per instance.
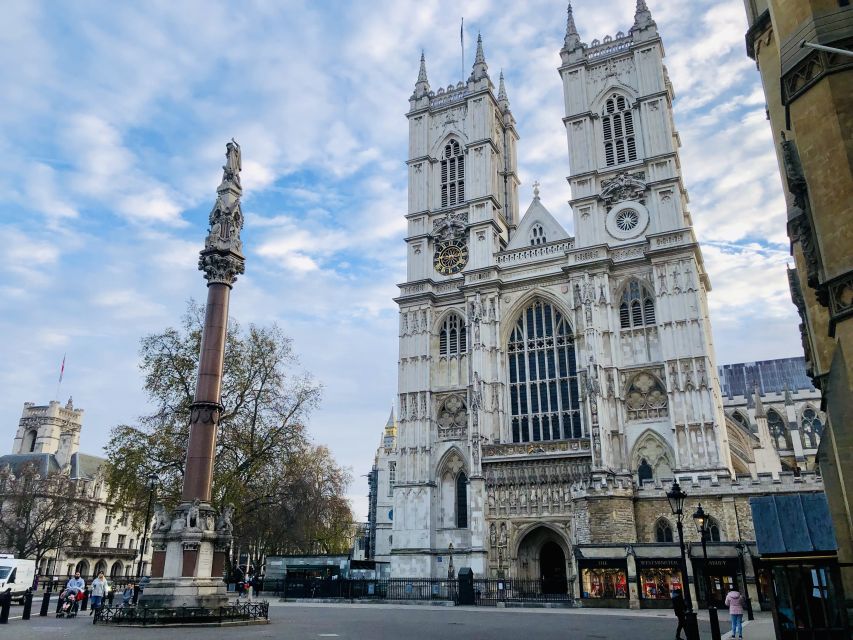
(161, 518)
(502, 541)
(193, 515)
(493, 535)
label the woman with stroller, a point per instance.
(100, 588)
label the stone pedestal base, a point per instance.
(185, 592)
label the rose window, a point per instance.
(627, 220)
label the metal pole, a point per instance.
(712, 610)
(691, 624)
(823, 47)
(742, 548)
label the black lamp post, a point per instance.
(676, 503)
(702, 521)
(741, 550)
(451, 572)
(152, 485)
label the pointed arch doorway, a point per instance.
(552, 568)
(542, 556)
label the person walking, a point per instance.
(99, 592)
(678, 608)
(734, 601)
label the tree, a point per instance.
(41, 513)
(263, 453)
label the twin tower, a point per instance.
(532, 361)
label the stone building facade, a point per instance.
(802, 49)
(49, 437)
(549, 383)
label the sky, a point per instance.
(113, 126)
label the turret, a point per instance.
(422, 85)
(572, 40)
(480, 70)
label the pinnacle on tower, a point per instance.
(759, 406)
(642, 17)
(481, 69)
(503, 101)
(572, 40)
(422, 85)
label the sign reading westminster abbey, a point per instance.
(548, 383)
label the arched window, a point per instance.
(738, 417)
(537, 235)
(714, 531)
(543, 382)
(452, 175)
(617, 121)
(461, 500)
(663, 531)
(778, 430)
(812, 428)
(452, 340)
(30, 441)
(637, 308)
(644, 471)
(646, 398)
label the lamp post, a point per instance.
(451, 572)
(702, 521)
(676, 503)
(741, 550)
(152, 485)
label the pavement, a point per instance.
(303, 621)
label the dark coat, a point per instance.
(678, 605)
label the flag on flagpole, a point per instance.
(62, 368)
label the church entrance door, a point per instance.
(552, 568)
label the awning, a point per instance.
(798, 523)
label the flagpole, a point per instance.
(462, 42)
(61, 373)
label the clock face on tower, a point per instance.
(450, 256)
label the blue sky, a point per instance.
(112, 131)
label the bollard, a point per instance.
(5, 604)
(59, 603)
(28, 605)
(715, 623)
(45, 604)
(85, 602)
(110, 597)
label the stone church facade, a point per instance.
(548, 382)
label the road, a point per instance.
(379, 621)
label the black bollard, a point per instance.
(85, 602)
(110, 597)
(45, 604)
(59, 603)
(28, 605)
(5, 604)
(715, 623)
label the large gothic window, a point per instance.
(461, 500)
(812, 428)
(452, 340)
(778, 430)
(620, 144)
(452, 175)
(646, 398)
(543, 382)
(637, 308)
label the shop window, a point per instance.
(658, 583)
(604, 583)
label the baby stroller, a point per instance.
(70, 603)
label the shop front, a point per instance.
(604, 582)
(720, 575)
(657, 578)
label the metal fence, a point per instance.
(362, 589)
(489, 593)
(149, 616)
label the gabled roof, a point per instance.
(45, 462)
(536, 213)
(85, 466)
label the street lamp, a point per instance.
(703, 521)
(451, 572)
(676, 503)
(152, 485)
(742, 549)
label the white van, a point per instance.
(16, 576)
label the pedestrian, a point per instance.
(734, 601)
(679, 609)
(127, 595)
(99, 592)
(249, 587)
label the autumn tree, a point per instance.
(263, 453)
(40, 513)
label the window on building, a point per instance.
(105, 540)
(617, 122)
(452, 339)
(452, 175)
(30, 442)
(637, 308)
(812, 428)
(392, 478)
(108, 518)
(778, 430)
(461, 500)
(544, 399)
(646, 398)
(131, 545)
(663, 531)
(714, 533)
(123, 520)
(121, 540)
(738, 417)
(644, 471)
(537, 235)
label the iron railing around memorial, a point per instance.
(509, 592)
(153, 616)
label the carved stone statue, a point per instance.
(493, 535)
(161, 518)
(193, 519)
(223, 522)
(233, 162)
(502, 540)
